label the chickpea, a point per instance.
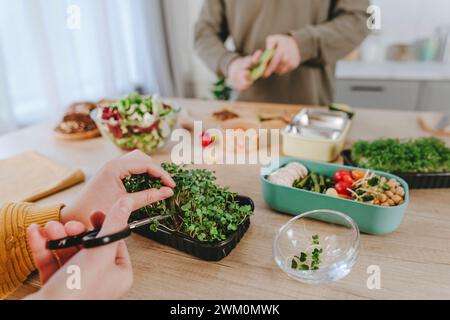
(396, 198)
(385, 204)
(390, 194)
(392, 183)
(376, 202)
(391, 202)
(400, 191)
(382, 197)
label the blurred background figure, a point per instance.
(308, 36)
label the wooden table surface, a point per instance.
(414, 260)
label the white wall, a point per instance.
(197, 78)
(409, 20)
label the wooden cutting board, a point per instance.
(280, 118)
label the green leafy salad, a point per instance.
(199, 208)
(138, 122)
(411, 156)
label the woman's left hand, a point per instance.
(106, 187)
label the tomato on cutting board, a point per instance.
(206, 139)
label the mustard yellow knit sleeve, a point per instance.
(16, 262)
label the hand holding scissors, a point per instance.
(105, 272)
(91, 239)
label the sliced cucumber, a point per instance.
(343, 108)
(258, 70)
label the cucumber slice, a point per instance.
(258, 70)
(343, 108)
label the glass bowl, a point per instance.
(147, 140)
(302, 237)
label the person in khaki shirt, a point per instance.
(310, 36)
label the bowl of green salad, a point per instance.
(137, 122)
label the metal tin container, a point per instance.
(316, 134)
(371, 219)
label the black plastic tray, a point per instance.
(414, 180)
(199, 249)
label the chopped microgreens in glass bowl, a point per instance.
(137, 122)
(316, 252)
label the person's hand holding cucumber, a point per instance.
(286, 56)
(239, 75)
(281, 56)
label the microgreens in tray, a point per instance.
(403, 156)
(199, 207)
(305, 261)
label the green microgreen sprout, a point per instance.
(421, 155)
(300, 262)
(199, 207)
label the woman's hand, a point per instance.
(106, 187)
(104, 272)
(287, 55)
(239, 76)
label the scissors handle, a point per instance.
(91, 240)
(68, 242)
(88, 240)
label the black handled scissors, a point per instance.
(89, 239)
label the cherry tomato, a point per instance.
(358, 174)
(154, 125)
(109, 113)
(342, 188)
(340, 174)
(348, 179)
(106, 113)
(206, 139)
(115, 130)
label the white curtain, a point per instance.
(7, 120)
(47, 62)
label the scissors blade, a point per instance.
(143, 222)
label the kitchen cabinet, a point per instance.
(378, 94)
(435, 96)
(421, 86)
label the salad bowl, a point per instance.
(137, 122)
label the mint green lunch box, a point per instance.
(371, 219)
